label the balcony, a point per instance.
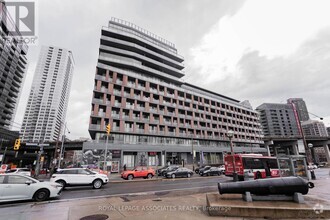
(140, 131)
(115, 116)
(145, 119)
(125, 117)
(170, 113)
(130, 106)
(98, 101)
(127, 94)
(140, 107)
(130, 84)
(116, 92)
(103, 89)
(98, 77)
(94, 127)
(101, 114)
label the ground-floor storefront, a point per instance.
(93, 154)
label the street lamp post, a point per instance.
(192, 152)
(230, 135)
(62, 146)
(310, 145)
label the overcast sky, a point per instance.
(256, 50)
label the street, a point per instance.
(162, 187)
(112, 189)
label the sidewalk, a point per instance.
(139, 206)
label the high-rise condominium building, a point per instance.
(278, 120)
(49, 95)
(314, 128)
(13, 64)
(155, 116)
(300, 107)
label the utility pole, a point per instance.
(230, 135)
(4, 153)
(3, 156)
(193, 152)
(41, 151)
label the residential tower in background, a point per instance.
(48, 100)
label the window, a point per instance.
(17, 180)
(69, 172)
(2, 179)
(252, 163)
(82, 171)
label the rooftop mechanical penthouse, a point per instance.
(155, 116)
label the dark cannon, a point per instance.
(274, 186)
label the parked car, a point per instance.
(204, 169)
(199, 168)
(323, 164)
(23, 171)
(79, 177)
(161, 170)
(138, 172)
(170, 169)
(180, 172)
(222, 168)
(213, 171)
(15, 187)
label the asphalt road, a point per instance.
(141, 187)
(198, 184)
(174, 187)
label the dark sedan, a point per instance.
(204, 169)
(169, 169)
(198, 169)
(213, 171)
(161, 170)
(180, 172)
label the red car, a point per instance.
(137, 172)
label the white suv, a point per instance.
(23, 171)
(79, 177)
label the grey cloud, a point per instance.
(304, 73)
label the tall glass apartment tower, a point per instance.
(13, 65)
(154, 114)
(49, 95)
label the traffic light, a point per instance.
(17, 144)
(108, 128)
